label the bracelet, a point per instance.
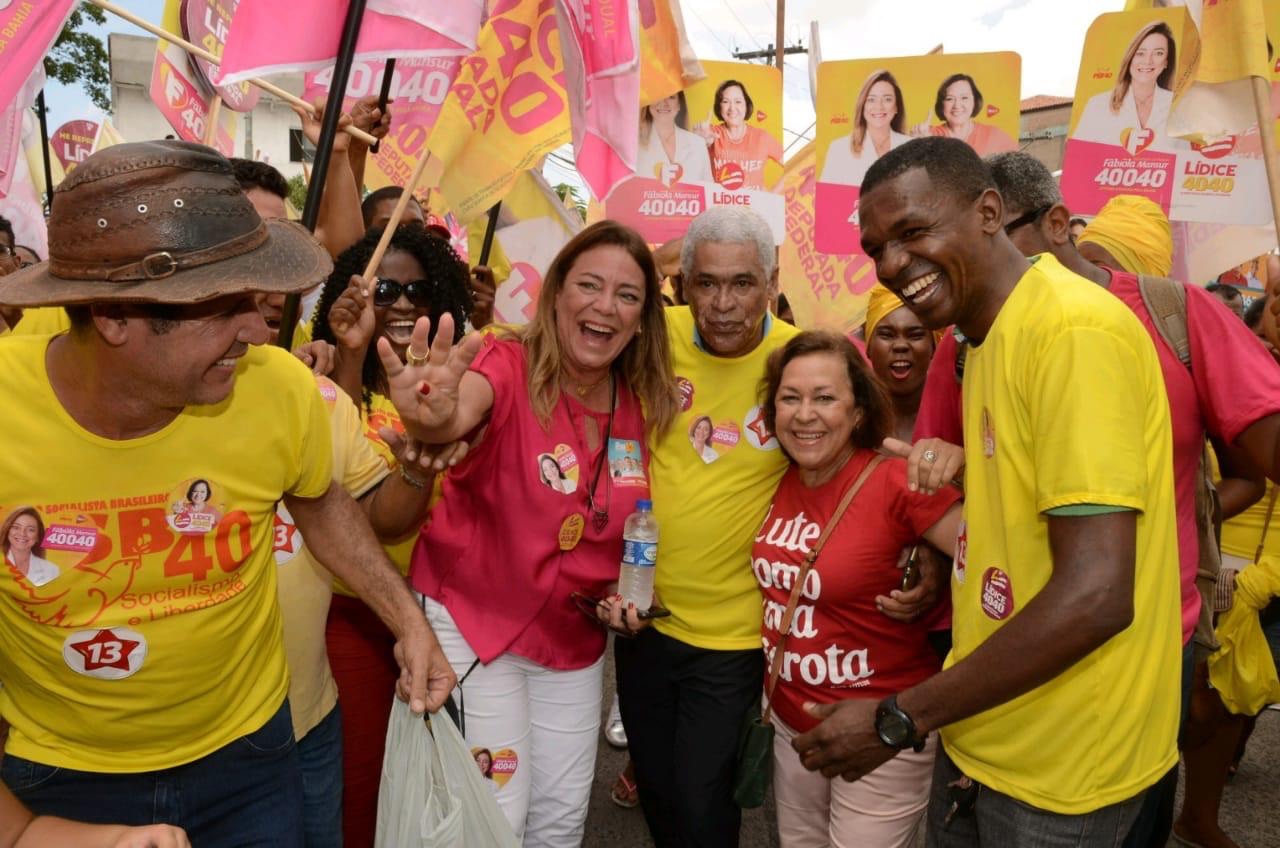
(410, 479)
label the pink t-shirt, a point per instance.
(840, 645)
(490, 551)
(1231, 384)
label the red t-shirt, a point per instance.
(1231, 384)
(840, 645)
(490, 551)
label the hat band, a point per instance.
(157, 266)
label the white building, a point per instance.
(271, 132)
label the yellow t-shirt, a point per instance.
(40, 321)
(1064, 404)
(709, 499)
(1241, 534)
(158, 640)
(305, 584)
(383, 414)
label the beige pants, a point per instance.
(882, 810)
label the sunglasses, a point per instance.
(1025, 218)
(388, 292)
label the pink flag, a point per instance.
(456, 19)
(270, 37)
(600, 40)
(11, 126)
(27, 31)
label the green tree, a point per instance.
(297, 192)
(572, 199)
(79, 56)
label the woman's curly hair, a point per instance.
(450, 291)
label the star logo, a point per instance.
(105, 650)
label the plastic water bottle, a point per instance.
(639, 556)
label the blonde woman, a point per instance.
(668, 151)
(879, 126)
(1134, 113)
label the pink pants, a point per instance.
(882, 809)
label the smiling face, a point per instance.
(664, 112)
(733, 106)
(816, 411)
(395, 322)
(701, 432)
(550, 470)
(900, 350)
(729, 296)
(881, 106)
(957, 103)
(24, 535)
(1150, 60)
(598, 311)
(192, 359)
(926, 245)
(199, 494)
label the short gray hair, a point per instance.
(735, 226)
(1023, 181)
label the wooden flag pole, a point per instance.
(211, 121)
(275, 90)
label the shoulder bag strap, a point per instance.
(1266, 524)
(775, 667)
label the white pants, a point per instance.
(549, 719)
(883, 809)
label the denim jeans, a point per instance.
(1000, 821)
(246, 793)
(320, 758)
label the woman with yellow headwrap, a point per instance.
(899, 348)
(1131, 233)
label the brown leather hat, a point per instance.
(162, 222)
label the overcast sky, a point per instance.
(1047, 33)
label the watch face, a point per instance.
(893, 730)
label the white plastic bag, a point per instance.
(432, 795)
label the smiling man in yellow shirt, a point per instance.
(1057, 698)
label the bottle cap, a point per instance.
(644, 506)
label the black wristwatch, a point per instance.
(895, 728)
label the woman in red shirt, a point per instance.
(830, 413)
(535, 512)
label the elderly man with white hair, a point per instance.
(687, 682)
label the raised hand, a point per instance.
(351, 316)
(425, 387)
(311, 124)
(317, 355)
(365, 115)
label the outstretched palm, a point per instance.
(426, 393)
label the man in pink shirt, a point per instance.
(1230, 394)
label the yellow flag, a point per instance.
(825, 290)
(667, 60)
(506, 109)
(108, 136)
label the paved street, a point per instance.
(1248, 808)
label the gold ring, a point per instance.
(414, 360)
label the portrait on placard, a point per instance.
(868, 107)
(1134, 70)
(717, 143)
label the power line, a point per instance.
(750, 35)
(714, 33)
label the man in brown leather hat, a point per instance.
(146, 449)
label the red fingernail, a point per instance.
(424, 390)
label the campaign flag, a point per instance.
(108, 136)
(179, 97)
(27, 31)
(73, 142)
(11, 123)
(505, 111)
(537, 225)
(418, 88)
(458, 20)
(599, 41)
(667, 61)
(271, 37)
(825, 290)
(23, 204)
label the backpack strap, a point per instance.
(1166, 301)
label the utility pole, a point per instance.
(771, 53)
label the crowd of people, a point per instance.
(961, 611)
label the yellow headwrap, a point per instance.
(879, 304)
(1135, 232)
